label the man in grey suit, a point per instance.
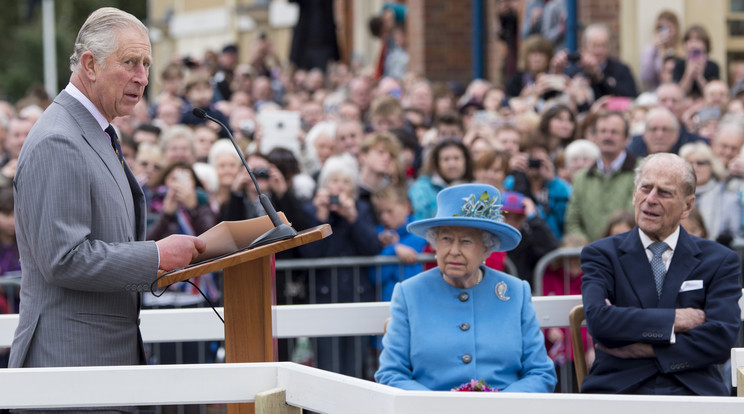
(80, 214)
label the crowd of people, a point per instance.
(368, 151)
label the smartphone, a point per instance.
(573, 57)
(618, 103)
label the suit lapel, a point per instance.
(638, 269)
(684, 260)
(100, 142)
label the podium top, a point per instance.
(244, 255)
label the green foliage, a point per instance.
(22, 66)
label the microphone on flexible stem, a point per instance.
(281, 230)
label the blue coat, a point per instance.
(389, 275)
(432, 333)
(617, 268)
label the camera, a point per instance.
(573, 57)
(534, 163)
(261, 173)
(333, 200)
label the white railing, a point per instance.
(305, 387)
(292, 321)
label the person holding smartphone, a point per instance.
(665, 44)
(694, 72)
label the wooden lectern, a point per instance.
(247, 293)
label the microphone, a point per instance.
(281, 230)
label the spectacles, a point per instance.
(702, 163)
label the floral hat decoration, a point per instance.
(471, 205)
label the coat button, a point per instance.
(467, 358)
(464, 326)
(464, 296)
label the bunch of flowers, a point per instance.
(474, 385)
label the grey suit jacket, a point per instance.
(78, 215)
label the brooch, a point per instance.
(501, 291)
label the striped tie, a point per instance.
(115, 142)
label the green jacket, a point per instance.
(596, 197)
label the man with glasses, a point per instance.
(661, 134)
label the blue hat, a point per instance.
(471, 205)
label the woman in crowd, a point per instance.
(336, 203)
(578, 155)
(537, 52)
(557, 127)
(665, 44)
(448, 163)
(441, 333)
(540, 183)
(227, 164)
(720, 208)
(694, 72)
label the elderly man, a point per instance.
(661, 134)
(606, 186)
(80, 212)
(727, 143)
(661, 305)
(607, 75)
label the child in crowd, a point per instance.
(394, 213)
(199, 94)
(537, 238)
(563, 277)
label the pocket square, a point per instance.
(688, 285)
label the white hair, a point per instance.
(344, 164)
(99, 34)
(581, 147)
(323, 128)
(221, 147)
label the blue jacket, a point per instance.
(436, 340)
(554, 213)
(389, 275)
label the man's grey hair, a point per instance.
(732, 122)
(490, 241)
(660, 110)
(593, 27)
(689, 179)
(98, 34)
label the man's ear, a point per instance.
(89, 65)
(689, 204)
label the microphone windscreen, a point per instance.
(199, 113)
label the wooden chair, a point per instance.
(575, 318)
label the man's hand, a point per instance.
(632, 351)
(687, 318)
(178, 250)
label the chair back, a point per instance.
(575, 318)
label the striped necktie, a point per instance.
(115, 142)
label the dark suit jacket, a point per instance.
(710, 72)
(617, 81)
(617, 268)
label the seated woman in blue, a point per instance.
(461, 320)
